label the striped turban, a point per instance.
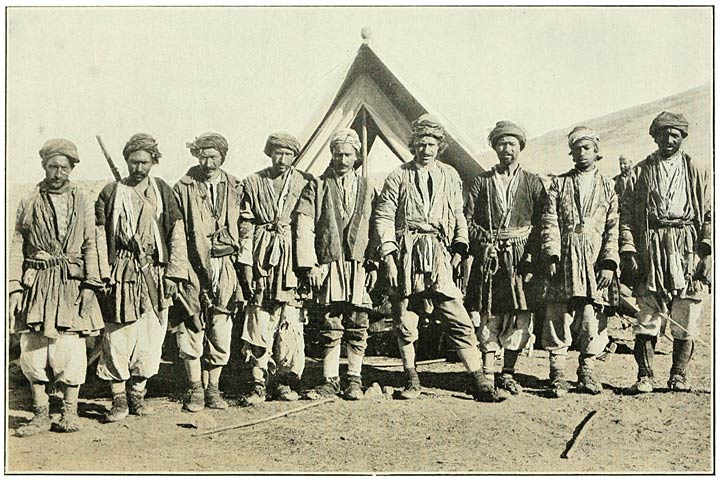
(281, 140)
(208, 140)
(142, 141)
(346, 135)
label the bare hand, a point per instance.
(14, 307)
(604, 277)
(86, 299)
(170, 287)
(703, 270)
(552, 269)
(456, 259)
(246, 280)
(315, 277)
(370, 280)
(630, 263)
(391, 272)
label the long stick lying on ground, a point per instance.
(577, 435)
(267, 419)
(399, 364)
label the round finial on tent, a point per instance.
(366, 33)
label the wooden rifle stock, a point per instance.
(111, 164)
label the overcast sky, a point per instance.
(177, 72)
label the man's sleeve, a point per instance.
(460, 235)
(15, 261)
(305, 215)
(549, 226)
(609, 255)
(246, 227)
(385, 212)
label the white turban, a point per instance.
(346, 135)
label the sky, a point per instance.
(175, 72)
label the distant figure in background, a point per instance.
(666, 242)
(625, 177)
(503, 210)
(274, 317)
(52, 276)
(333, 233)
(209, 200)
(143, 256)
(580, 242)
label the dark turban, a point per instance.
(428, 125)
(208, 140)
(59, 146)
(281, 140)
(504, 128)
(142, 141)
(669, 120)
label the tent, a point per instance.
(376, 103)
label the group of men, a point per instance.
(214, 247)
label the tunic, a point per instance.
(581, 230)
(53, 254)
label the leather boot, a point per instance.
(213, 399)
(484, 389)
(353, 390)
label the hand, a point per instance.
(246, 280)
(370, 280)
(14, 307)
(604, 277)
(86, 298)
(551, 269)
(630, 263)
(315, 277)
(391, 272)
(703, 270)
(456, 259)
(170, 287)
(194, 323)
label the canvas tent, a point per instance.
(376, 103)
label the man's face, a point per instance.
(57, 171)
(668, 141)
(625, 165)
(282, 159)
(139, 165)
(584, 154)
(210, 160)
(426, 149)
(344, 157)
(507, 149)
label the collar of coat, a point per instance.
(194, 174)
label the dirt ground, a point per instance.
(443, 431)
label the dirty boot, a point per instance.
(644, 351)
(195, 398)
(412, 386)
(213, 399)
(681, 355)
(505, 381)
(39, 423)
(119, 408)
(69, 421)
(137, 403)
(256, 396)
(330, 388)
(559, 386)
(353, 390)
(588, 382)
(484, 390)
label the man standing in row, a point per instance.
(666, 242)
(503, 210)
(579, 233)
(626, 177)
(333, 234)
(209, 200)
(273, 329)
(52, 276)
(143, 255)
(423, 236)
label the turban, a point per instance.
(59, 146)
(428, 125)
(669, 120)
(281, 140)
(583, 133)
(208, 140)
(504, 128)
(346, 135)
(142, 141)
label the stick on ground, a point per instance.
(578, 434)
(267, 419)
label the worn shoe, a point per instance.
(412, 386)
(137, 405)
(559, 386)
(286, 394)
(255, 397)
(69, 421)
(213, 399)
(587, 383)
(119, 409)
(194, 398)
(353, 390)
(330, 388)
(679, 383)
(484, 390)
(39, 423)
(643, 385)
(505, 381)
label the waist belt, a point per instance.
(669, 223)
(45, 264)
(275, 227)
(514, 235)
